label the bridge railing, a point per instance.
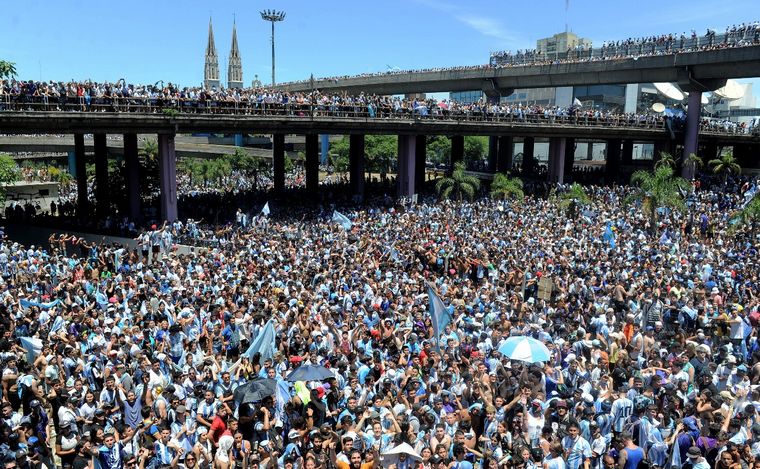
(17, 103)
(662, 46)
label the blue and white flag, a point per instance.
(342, 220)
(33, 347)
(264, 343)
(265, 209)
(29, 304)
(58, 324)
(609, 235)
(440, 315)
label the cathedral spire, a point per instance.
(234, 64)
(211, 70)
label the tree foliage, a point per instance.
(459, 185)
(9, 173)
(7, 69)
(725, 165)
(506, 187)
(659, 188)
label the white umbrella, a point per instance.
(393, 455)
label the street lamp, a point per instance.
(273, 17)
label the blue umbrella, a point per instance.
(526, 349)
(310, 373)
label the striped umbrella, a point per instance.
(526, 349)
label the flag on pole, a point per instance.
(342, 220)
(264, 343)
(440, 316)
(265, 209)
(33, 347)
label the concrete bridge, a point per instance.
(505, 131)
(698, 71)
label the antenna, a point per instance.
(567, 7)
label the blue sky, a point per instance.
(146, 41)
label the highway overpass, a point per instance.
(698, 71)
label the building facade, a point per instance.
(234, 64)
(211, 68)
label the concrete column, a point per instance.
(493, 153)
(407, 156)
(81, 175)
(529, 161)
(626, 158)
(102, 202)
(325, 141)
(238, 140)
(569, 156)
(278, 161)
(72, 166)
(691, 137)
(356, 165)
(457, 149)
(557, 148)
(132, 169)
(420, 156)
(312, 163)
(504, 156)
(167, 175)
(612, 165)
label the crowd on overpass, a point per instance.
(307, 338)
(745, 34)
(735, 36)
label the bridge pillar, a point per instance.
(612, 161)
(493, 153)
(557, 148)
(691, 137)
(102, 203)
(278, 161)
(72, 167)
(356, 165)
(457, 149)
(167, 175)
(569, 162)
(132, 169)
(529, 159)
(81, 175)
(627, 156)
(407, 156)
(324, 152)
(312, 163)
(420, 157)
(504, 154)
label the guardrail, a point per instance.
(19, 103)
(662, 46)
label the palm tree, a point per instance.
(690, 165)
(573, 197)
(7, 69)
(725, 165)
(458, 184)
(506, 187)
(748, 215)
(666, 159)
(659, 188)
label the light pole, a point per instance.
(273, 17)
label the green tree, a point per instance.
(9, 173)
(192, 168)
(725, 165)
(7, 69)
(458, 185)
(747, 216)
(505, 187)
(574, 197)
(339, 154)
(475, 148)
(380, 151)
(659, 188)
(666, 159)
(439, 150)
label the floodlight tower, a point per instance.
(273, 17)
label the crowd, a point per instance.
(735, 36)
(158, 357)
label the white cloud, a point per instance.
(492, 28)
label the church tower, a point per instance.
(211, 70)
(234, 65)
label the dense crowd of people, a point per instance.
(735, 36)
(149, 357)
